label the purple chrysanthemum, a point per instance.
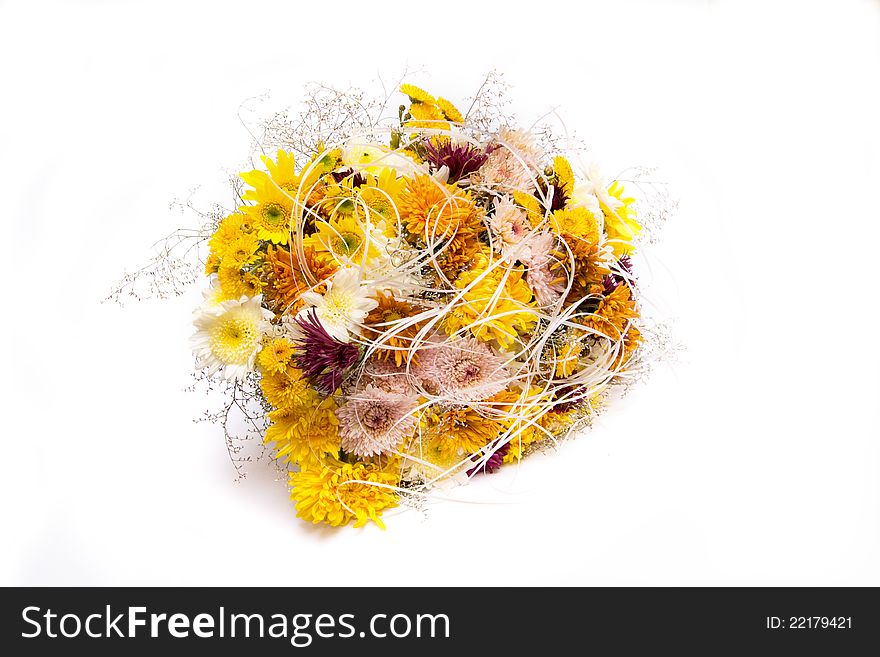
(613, 281)
(462, 159)
(322, 358)
(491, 464)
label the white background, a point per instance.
(752, 460)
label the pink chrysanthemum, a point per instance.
(374, 421)
(513, 164)
(538, 258)
(387, 375)
(466, 370)
(509, 225)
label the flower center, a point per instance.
(465, 371)
(376, 418)
(273, 214)
(233, 340)
(347, 243)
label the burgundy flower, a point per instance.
(357, 178)
(613, 281)
(322, 358)
(462, 159)
(573, 397)
(492, 464)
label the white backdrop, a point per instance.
(752, 460)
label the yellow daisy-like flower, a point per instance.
(488, 314)
(428, 460)
(287, 389)
(336, 493)
(304, 434)
(281, 173)
(271, 214)
(380, 194)
(427, 113)
(229, 230)
(275, 356)
(534, 210)
(236, 282)
(344, 238)
(620, 221)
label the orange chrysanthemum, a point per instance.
(288, 276)
(390, 325)
(433, 211)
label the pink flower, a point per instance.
(513, 164)
(374, 421)
(465, 370)
(509, 225)
(387, 375)
(537, 255)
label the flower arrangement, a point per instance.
(419, 303)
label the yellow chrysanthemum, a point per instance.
(521, 414)
(417, 95)
(427, 460)
(236, 282)
(424, 112)
(450, 111)
(275, 356)
(230, 229)
(564, 175)
(488, 314)
(287, 389)
(621, 225)
(304, 434)
(567, 359)
(240, 251)
(211, 263)
(577, 222)
(336, 493)
(534, 210)
(458, 431)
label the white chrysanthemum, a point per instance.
(343, 307)
(584, 195)
(371, 158)
(228, 335)
(595, 184)
(393, 270)
(213, 294)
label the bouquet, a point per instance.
(418, 303)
